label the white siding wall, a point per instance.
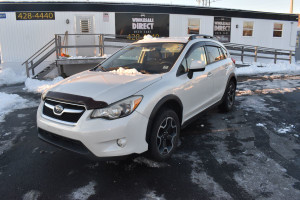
(20, 39)
(179, 25)
(263, 33)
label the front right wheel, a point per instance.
(164, 136)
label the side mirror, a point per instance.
(196, 66)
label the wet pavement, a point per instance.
(252, 152)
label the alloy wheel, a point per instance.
(231, 94)
(166, 135)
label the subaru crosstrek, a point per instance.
(139, 98)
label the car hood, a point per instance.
(105, 86)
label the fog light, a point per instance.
(122, 142)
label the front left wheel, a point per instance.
(164, 136)
(229, 97)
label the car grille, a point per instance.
(70, 115)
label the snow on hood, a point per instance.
(105, 86)
(128, 72)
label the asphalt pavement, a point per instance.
(252, 152)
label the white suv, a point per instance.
(138, 99)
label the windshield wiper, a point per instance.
(102, 68)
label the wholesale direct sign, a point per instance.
(222, 28)
(135, 25)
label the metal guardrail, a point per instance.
(56, 45)
(254, 51)
(31, 64)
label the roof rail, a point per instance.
(196, 36)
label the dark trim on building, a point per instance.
(144, 8)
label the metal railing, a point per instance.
(117, 41)
(256, 52)
(33, 61)
(57, 45)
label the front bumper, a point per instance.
(98, 136)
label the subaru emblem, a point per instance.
(58, 109)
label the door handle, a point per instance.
(226, 67)
(209, 74)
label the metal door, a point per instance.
(85, 27)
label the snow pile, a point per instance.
(84, 192)
(261, 125)
(149, 163)
(9, 76)
(286, 129)
(151, 195)
(11, 102)
(122, 71)
(32, 195)
(86, 57)
(148, 38)
(39, 86)
(262, 68)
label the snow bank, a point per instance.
(262, 68)
(8, 76)
(122, 71)
(11, 102)
(39, 86)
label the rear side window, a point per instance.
(225, 52)
(213, 53)
(222, 55)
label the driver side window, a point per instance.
(197, 54)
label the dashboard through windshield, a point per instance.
(147, 58)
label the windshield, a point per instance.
(146, 58)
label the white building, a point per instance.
(26, 26)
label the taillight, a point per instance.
(233, 60)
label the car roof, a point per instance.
(149, 39)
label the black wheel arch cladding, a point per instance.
(171, 101)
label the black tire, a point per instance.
(164, 135)
(228, 97)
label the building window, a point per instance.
(248, 29)
(194, 26)
(277, 31)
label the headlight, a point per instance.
(117, 110)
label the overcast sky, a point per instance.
(281, 6)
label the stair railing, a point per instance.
(30, 63)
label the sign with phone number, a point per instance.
(136, 25)
(35, 15)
